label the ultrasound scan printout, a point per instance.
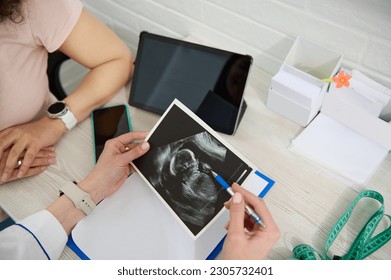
(178, 166)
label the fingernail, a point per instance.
(144, 145)
(20, 174)
(52, 160)
(237, 198)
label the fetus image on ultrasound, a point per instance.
(184, 179)
(178, 166)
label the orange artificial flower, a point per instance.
(342, 80)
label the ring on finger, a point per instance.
(19, 163)
(126, 148)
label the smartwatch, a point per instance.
(80, 198)
(60, 110)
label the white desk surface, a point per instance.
(306, 201)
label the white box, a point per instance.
(345, 139)
(363, 92)
(298, 89)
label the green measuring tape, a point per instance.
(364, 244)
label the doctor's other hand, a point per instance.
(246, 240)
(113, 166)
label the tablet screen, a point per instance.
(209, 81)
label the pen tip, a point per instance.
(213, 173)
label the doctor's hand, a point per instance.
(246, 240)
(113, 166)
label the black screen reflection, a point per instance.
(209, 81)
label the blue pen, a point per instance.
(248, 209)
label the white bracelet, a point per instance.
(80, 198)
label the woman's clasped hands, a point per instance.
(27, 149)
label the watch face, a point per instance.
(56, 108)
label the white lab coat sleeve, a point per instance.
(39, 236)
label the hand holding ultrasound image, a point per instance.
(107, 123)
(178, 167)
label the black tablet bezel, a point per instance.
(144, 35)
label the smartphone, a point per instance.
(107, 123)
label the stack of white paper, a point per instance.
(340, 149)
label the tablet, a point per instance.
(209, 81)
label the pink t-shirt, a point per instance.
(24, 47)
